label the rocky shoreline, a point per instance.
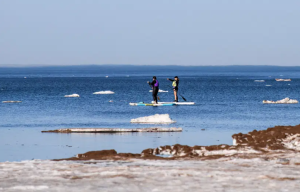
(277, 140)
(266, 160)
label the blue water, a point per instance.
(227, 100)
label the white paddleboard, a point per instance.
(178, 103)
(151, 104)
(167, 103)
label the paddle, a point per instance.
(180, 95)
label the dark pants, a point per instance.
(154, 94)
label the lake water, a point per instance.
(228, 101)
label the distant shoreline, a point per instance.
(137, 65)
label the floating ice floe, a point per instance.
(283, 79)
(154, 119)
(259, 80)
(106, 76)
(114, 130)
(11, 101)
(73, 95)
(110, 101)
(268, 85)
(282, 101)
(161, 91)
(103, 92)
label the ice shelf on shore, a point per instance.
(268, 159)
(282, 101)
(103, 92)
(160, 91)
(73, 95)
(274, 174)
(154, 119)
(11, 101)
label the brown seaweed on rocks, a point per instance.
(253, 144)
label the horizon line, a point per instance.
(137, 65)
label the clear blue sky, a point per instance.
(181, 32)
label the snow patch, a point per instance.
(234, 142)
(292, 142)
(148, 175)
(282, 101)
(73, 95)
(226, 152)
(29, 187)
(154, 119)
(103, 92)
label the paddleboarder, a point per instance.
(155, 87)
(175, 84)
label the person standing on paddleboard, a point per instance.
(155, 88)
(175, 84)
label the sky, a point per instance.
(156, 32)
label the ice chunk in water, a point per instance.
(103, 92)
(154, 119)
(73, 95)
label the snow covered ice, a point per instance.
(154, 119)
(282, 101)
(225, 174)
(103, 92)
(283, 79)
(73, 95)
(11, 101)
